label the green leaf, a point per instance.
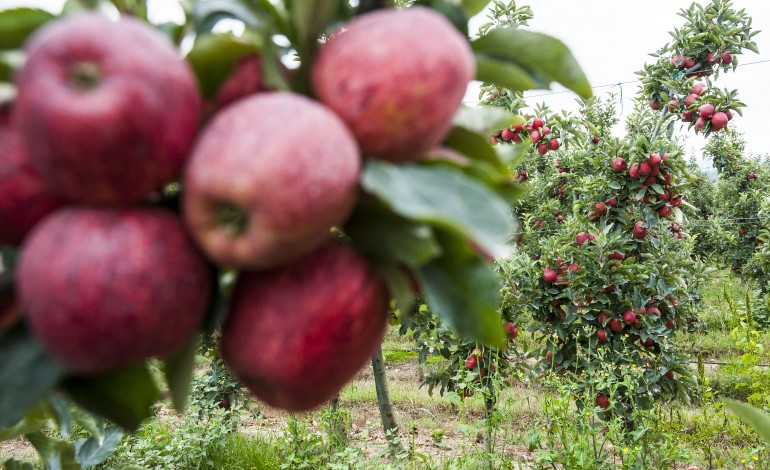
(309, 20)
(124, 395)
(473, 145)
(13, 464)
(61, 409)
(399, 283)
(445, 198)
(87, 421)
(385, 236)
(27, 373)
(93, 451)
(213, 58)
(10, 256)
(17, 24)
(179, 372)
(756, 419)
(538, 54)
(484, 120)
(206, 14)
(505, 74)
(57, 454)
(473, 7)
(464, 291)
(35, 420)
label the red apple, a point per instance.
(706, 110)
(507, 135)
(654, 105)
(581, 238)
(553, 144)
(639, 231)
(633, 171)
(406, 72)
(542, 149)
(697, 89)
(24, 200)
(511, 330)
(615, 325)
(665, 211)
(727, 58)
(537, 123)
(103, 288)
(297, 334)
(549, 275)
(246, 79)
(618, 164)
(255, 195)
(602, 336)
(471, 362)
(689, 63)
(691, 99)
(654, 159)
(603, 401)
(719, 121)
(108, 110)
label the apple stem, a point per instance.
(85, 76)
(234, 219)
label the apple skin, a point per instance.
(245, 80)
(286, 192)
(297, 334)
(406, 72)
(103, 288)
(121, 134)
(24, 200)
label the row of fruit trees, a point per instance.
(270, 186)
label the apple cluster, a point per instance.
(108, 277)
(696, 105)
(536, 131)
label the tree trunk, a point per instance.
(383, 400)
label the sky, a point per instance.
(611, 39)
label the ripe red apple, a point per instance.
(618, 164)
(616, 255)
(727, 58)
(691, 99)
(511, 330)
(706, 110)
(108, 110)
(297, 334)
(516, 138)
(255, 195)
(553, 144)
(615, 325)
(545, 130)
(654, 159)
(406, 72)
(713, 58)
(542, 149)
(699, 123)
(639, 231)
(677, 61)
(697, 89)
(535, 136)
(549, 275)
(602, 336)
(670, 324)
(688, 63)
(581, 238)
(537, 123)
(601, 208)
(644, 169)
(665, 211)
(595, 141)
(654, 105)
(653, 311)
(603, 401)
(471, 362)
(729, 114)
(103, 288)
(687, 116)
(602, 316)
(633, 170)
(672, 105)
(246, 79)
(612, 201)
(677, 201)
(507, 135)
(629, 318)
(719, 121)
(24, 200)
(648, 343)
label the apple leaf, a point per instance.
(473, 145)
(473, 7)
(756, 419)
(505, 74)
(484, 120)
(213, 58)
(179, 372)
(35, 420)
(309, 20)
(443, 197)
(17, 24)
(464, 291)
(27, 373)
(383, 235)
(207, 14)
(537, 54)
(94, 450)
(13, 464)
(124, 395)
(56, 453)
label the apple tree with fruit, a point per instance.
(161, 180)
(606, 270)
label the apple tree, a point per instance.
(152, 192)
(606, 270)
